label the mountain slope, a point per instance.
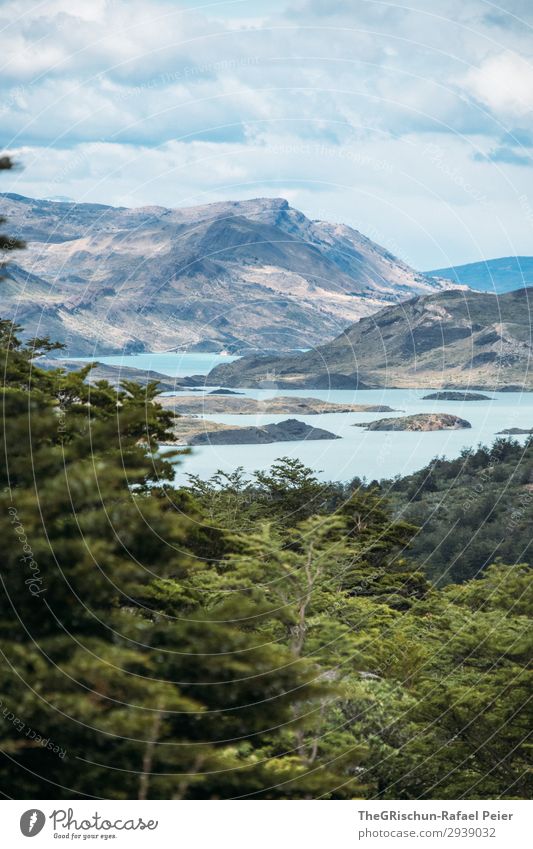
(451, 339)
(234, 275)
(494, 275)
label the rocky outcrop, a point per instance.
(452, 395)
(290, 430)
(516, 431)
(422, 422)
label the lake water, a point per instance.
(174, 364)
(373, 454)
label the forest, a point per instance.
(273, 638)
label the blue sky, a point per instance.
(410, 121)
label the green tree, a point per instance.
(454, 671)
(111, 650)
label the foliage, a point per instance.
(112, 647)
(470, 510)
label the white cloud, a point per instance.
(420, 197)
(326, 61)
(331, 103)
(504, 83)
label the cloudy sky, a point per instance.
(410, 121)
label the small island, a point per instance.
(290, 430)
(453, 395)
(420, 422)
(213, 404)
(515, 431)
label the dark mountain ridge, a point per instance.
(447, 340)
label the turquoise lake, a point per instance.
(174, 364)
(374, 454)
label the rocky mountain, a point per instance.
(456, 339)
(494, 275)
(235, 276)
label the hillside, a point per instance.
(494, 275)
(451, 339)
(244, 275)
(470, 510)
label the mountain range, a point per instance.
(493, 275)
(236, 276)
(446, 340)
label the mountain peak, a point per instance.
(235, 275)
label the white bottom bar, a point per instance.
(268, 825)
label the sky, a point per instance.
(409, 121)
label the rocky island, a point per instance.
(515, 431)
(456, 395)
(423, 422)
(201, 432)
